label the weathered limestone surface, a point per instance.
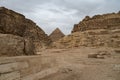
(12, 45)
(11, 67)
(10, 76)
(14, 23)
(41, 74)
(91, 38)
(98, 31)
(26, 67)
(105, 21)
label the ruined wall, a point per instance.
(106, 21)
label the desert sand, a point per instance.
(74, 64)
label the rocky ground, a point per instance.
(74, 64)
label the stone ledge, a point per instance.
(10, 67)
(41, 74)
(10, 76)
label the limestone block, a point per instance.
(10, 67)
(10, 76)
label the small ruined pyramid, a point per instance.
(56, 35)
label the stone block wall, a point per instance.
(106, 21)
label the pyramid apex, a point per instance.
(56, 34)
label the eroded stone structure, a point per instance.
(98, 31)
(14, 23)
(105, 21)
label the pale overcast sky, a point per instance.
(50, 14)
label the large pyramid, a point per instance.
(56, 35)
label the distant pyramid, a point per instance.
(56, 35)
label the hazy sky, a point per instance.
(50, 14)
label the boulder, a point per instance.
(12, 45)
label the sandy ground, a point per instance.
(74, 64)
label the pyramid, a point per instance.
(56, 35)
